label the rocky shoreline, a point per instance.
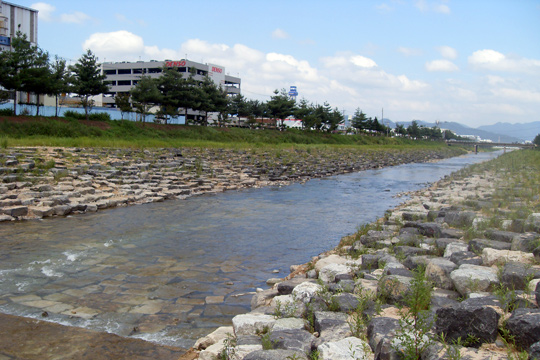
(41, 182)
(473, 238)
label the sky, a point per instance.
(476, 62)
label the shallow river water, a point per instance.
(171, 272)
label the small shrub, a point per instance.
(7, 112)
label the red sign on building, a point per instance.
(175, 63)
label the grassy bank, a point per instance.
(42, 131)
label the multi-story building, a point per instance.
(123, 76)
(14, 18)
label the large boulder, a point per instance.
(286, 287)
(468, 319)
(473, 278)
(465, 257)
(393, 288)
(500, 235)
(525, 242)
(276, 354)
(381, 328)
(477, 245)
(524, 325)
(457, 246)
(459, 218)
(438, 271)
(252, 323)
(345, 349)
(328, 273)
(306, 291)
(298, 340)
(515, 274)
(498, 257)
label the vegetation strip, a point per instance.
(454, 273)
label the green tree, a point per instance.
(88, 80)
(333, 120)
(537, 140)
(413, 130)
(359, 120)
(281, 106)
(174, 89)
(59, 82)
(400, 129)
(145, 94)
(25, 68)
(212, 99)
(304, 111)
(123, 103)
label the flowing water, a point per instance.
(171, 272)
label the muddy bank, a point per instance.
(29, 339)
(42, 182)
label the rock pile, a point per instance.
(351, 303)
(42, 182)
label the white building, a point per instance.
(14, 18)
(123, 76)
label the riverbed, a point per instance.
(170, 272)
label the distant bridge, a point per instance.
(490, 144)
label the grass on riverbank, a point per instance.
(43, 131)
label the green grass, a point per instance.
(69, 132)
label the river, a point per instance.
(170, 272)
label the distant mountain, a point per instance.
(460, 129)
(525, 131)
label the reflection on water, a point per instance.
(169, 272)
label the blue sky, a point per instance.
(476, 62)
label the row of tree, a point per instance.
(30, 69)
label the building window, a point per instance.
(137, 71)
(111, 83)
(110, 72)
(154, 70)
(124, 82)
(124, 71)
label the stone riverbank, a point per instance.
(473, 237)
(41, 182)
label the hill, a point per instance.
(525, 131)
(460, 129)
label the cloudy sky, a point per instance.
(476, 62)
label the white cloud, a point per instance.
(448, 52)
(116, 44)
(45, 11)
(280, 34)
(363, 62)
(409, 51)
(438, 6)
(518, 95)
(441, 65)
(76, 17)
(488, 59)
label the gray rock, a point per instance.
(451, 233)
(393, 288)
(438, 271)
(278, 354)
(464, 319)
(398, 271)
(327, 320)
(263, 298)
(413, 262)
(473, 278)
(347, 302)
(534, 351)
(286, 287)
(429, 229)
(525, 242)
(370, 261)
(373, 236)
(524, 324)
(15, 211)
(380, 328)
(459, 218)
(465, 257)
(477, 245)
(499, 235)
(298, 340)
(514, 275)
(348, 348)
(409, 251)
